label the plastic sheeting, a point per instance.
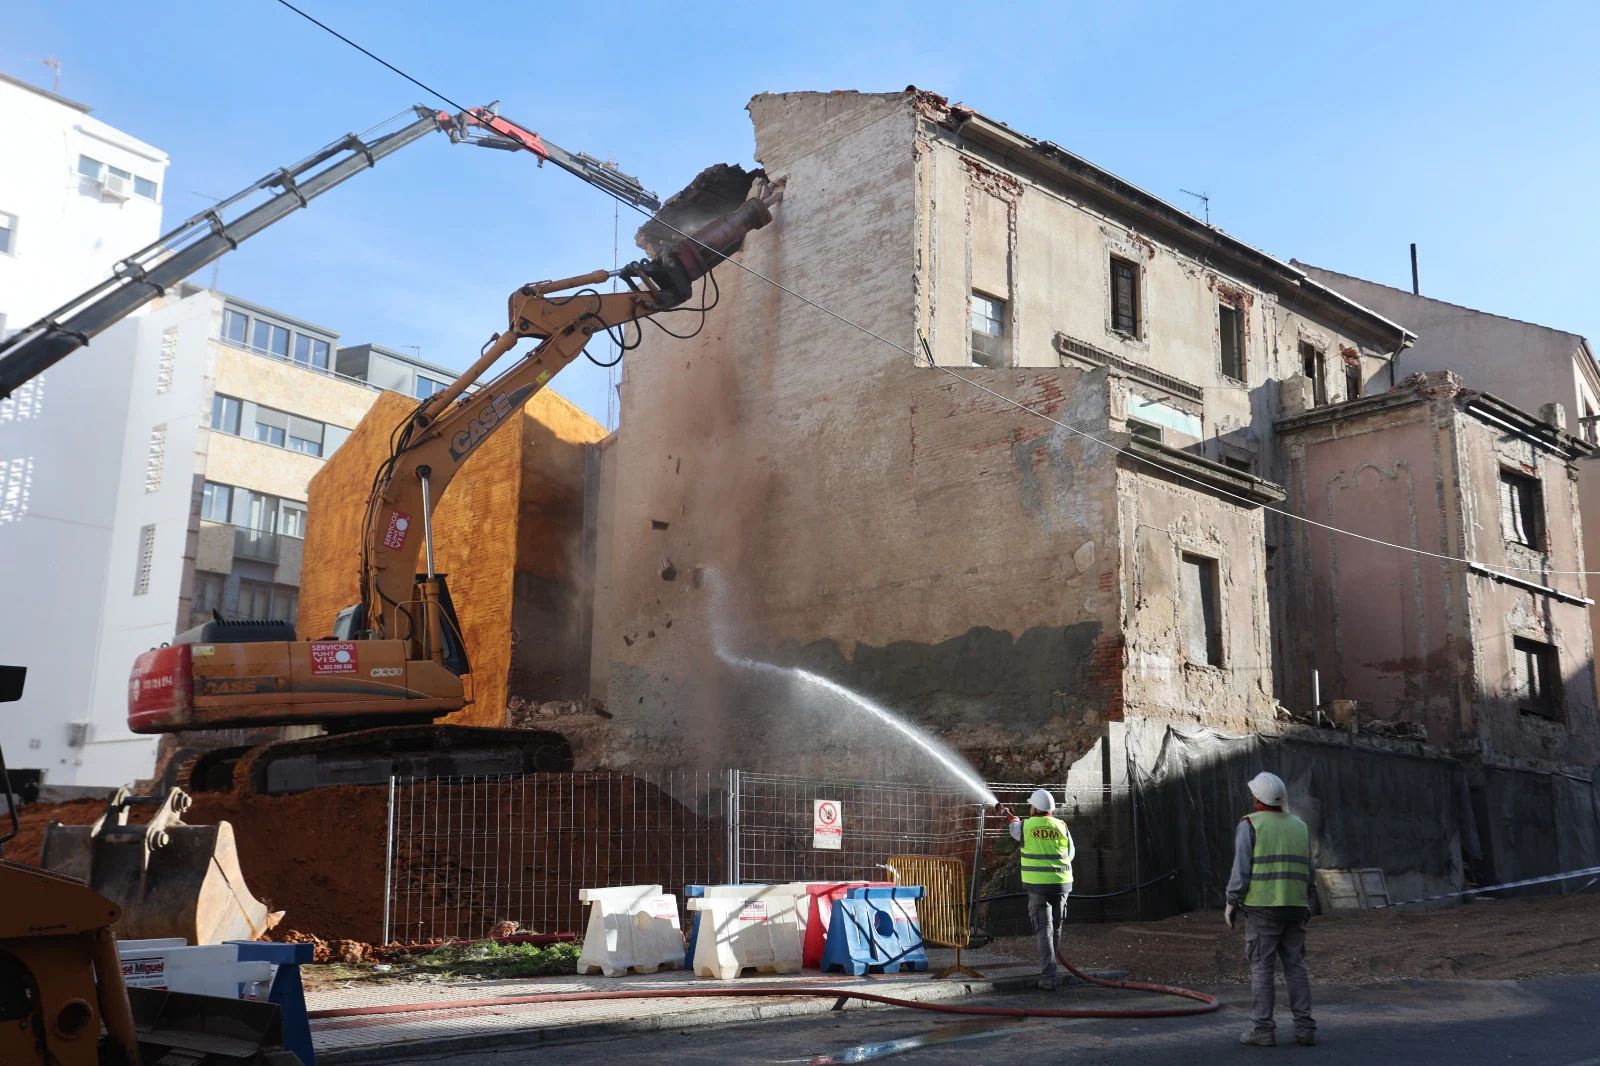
(1400, 812)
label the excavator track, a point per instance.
(372, 756)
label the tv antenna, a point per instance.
(1204, 200)
(54, 64)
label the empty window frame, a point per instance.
(1313, 364)
(1535, 677)
(1125, 302)
(1202, 625)
(1230, 332)
(1521, 509)
(989, 331)
(8, 234)
(1352, 379)
(1148, 430)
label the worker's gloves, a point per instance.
(1230, 914)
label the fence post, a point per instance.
(388, 864)
(977, 867)
(733, 827)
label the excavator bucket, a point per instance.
(169, 878)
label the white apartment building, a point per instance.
(195, 430)
(76, 195)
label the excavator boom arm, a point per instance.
(448, 428)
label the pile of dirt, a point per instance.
(472, 861)
(1542, 937)
(28, 845)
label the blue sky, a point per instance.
(1336, 136)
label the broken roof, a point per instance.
(1160, 217)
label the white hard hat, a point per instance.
(1269, 789)
(1041, 800)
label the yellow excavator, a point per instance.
(62, 997)
(395, 661)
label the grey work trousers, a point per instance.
(1267, 937)
(1046, 912)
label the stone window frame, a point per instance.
(1123, 245)
(1183, 545)
(1554, 708)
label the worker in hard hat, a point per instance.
(1046, 874)
(1271, 882)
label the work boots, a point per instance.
(1259, 1038)
(1047, 984)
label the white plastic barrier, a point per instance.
(634, 927)
(207, 970)
(747, 927)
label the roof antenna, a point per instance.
(54, 64)
(1415, 288)
(1204, 199)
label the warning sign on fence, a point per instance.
(827, 825)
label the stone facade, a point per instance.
(796, 490)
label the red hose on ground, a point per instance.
(1204, 1004)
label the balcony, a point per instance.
(256, 544)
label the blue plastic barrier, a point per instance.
(695, 892)
(287, 991)
(875, 930)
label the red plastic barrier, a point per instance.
(819, 908)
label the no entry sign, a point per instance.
(827, 825)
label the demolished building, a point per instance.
(1077, 544)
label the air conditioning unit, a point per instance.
(116, 187)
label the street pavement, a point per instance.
(1549, 1021)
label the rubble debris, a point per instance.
(714, 192)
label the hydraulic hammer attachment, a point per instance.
(169, 878)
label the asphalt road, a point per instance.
(1550, 1021)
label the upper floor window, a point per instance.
(311, 351)
(1202, 624)
(1124, 296)
(427, 386)
(1313, 364)
(123, 183)
(225, 412)
(8, 234)
(1586, 423)
(988, 331)
(1521, 509)
(216, 502)
(274, 340)
(1352, 380)
(272, 426)
(1535, 677)
(1230, 329)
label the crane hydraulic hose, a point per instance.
(1203, 1004)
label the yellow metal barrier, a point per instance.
(944, 902)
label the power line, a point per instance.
(916, 360)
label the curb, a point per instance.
(711, 1017)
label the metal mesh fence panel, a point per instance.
(470, 854)
(775, 822)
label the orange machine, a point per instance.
(396, 661)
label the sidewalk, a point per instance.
(378, 1037)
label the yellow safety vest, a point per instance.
(1046, 851)
(1280, 863)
